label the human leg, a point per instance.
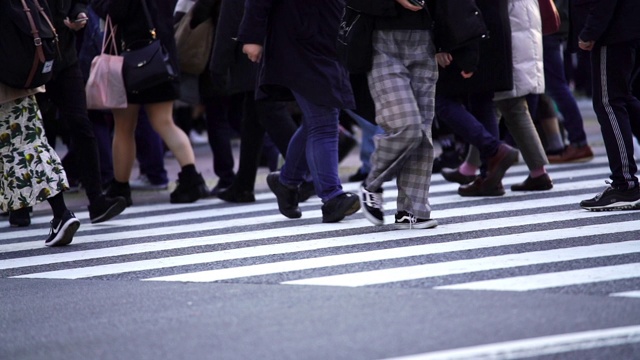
(219, 131)
(150, 155)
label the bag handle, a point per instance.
(109, 39)
(147, 14)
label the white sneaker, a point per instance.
(143, 183)
(197, 138)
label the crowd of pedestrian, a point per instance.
(273, 79)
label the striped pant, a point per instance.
(403, 82)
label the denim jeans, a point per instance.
(367, 146)
(314, 148)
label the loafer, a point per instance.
(540, 183)
(480, 188)
(455, 176)
(499, 163)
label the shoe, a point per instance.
(340, 206)
(614, 199)
(115, 190)
(190, 189)
(454, 175)
(233, 196)
(62, 230)
(221, 186)
(405, 220)
(540, 183)
(449, 158)
(20, 217)
(287, 196)
(104, 208)
(305, 191)
(371, 203)
(498, 164)
(197, 138)
(479, 188)
(572, 154)
(359, 176)
(142, 183)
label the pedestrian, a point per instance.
(402, 83)
(298, 60)
(157, 101)
(469, 77)
(32, 171)
(611, 32)
(66, 92)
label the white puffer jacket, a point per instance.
(526, 42)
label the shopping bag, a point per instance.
(105, 87)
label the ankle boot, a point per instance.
(190, 188)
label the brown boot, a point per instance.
(480, 188)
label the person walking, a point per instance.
(157, 101)
(611, 32)
(403, 83)
(298, 60)
(66, 92)
(32, 170)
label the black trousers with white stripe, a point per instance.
(614, 68)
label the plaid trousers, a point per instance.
(403, 83)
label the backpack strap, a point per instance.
(37, 40)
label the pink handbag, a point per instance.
(105, 87)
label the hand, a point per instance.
(444, 59)
(79, 23)
(253, 51)
(586, 45)
(407, 5)
(466, 75)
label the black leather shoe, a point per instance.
(540, 183)
(454, 175)
(233, 196)
(287, 196)
(479, 188)
(340, 206)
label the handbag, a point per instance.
(105, 87)
(354, 44)
(550, 17)
(194, 45)
(149, 65)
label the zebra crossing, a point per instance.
(529, 241)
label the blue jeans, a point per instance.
(558, 89)
(367, 146)
(474, 121)
(314, 148)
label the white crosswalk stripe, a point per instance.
(528, 241)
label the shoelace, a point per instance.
(373, 199)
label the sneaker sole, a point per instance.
(114, 210)
(372, 219)
(615, 206)
(429, 224)
(65, 236)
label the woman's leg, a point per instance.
(161, 118)
(124, 143)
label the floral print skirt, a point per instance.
(30, 169)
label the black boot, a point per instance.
(191, 187)
(118, 189)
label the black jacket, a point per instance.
(605, 21)
(392, 16)
(60, 10)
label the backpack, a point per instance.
(28, 44)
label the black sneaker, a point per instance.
(614, 199)
(115, 190)
(189, 189)
(287, 196)
(340, 206)
(62, 230)
(371, 203)
(306, 190)
(405, 220)
(104, 208)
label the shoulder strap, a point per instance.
(147, 14)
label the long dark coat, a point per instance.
(299, 39)
(494, 71)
